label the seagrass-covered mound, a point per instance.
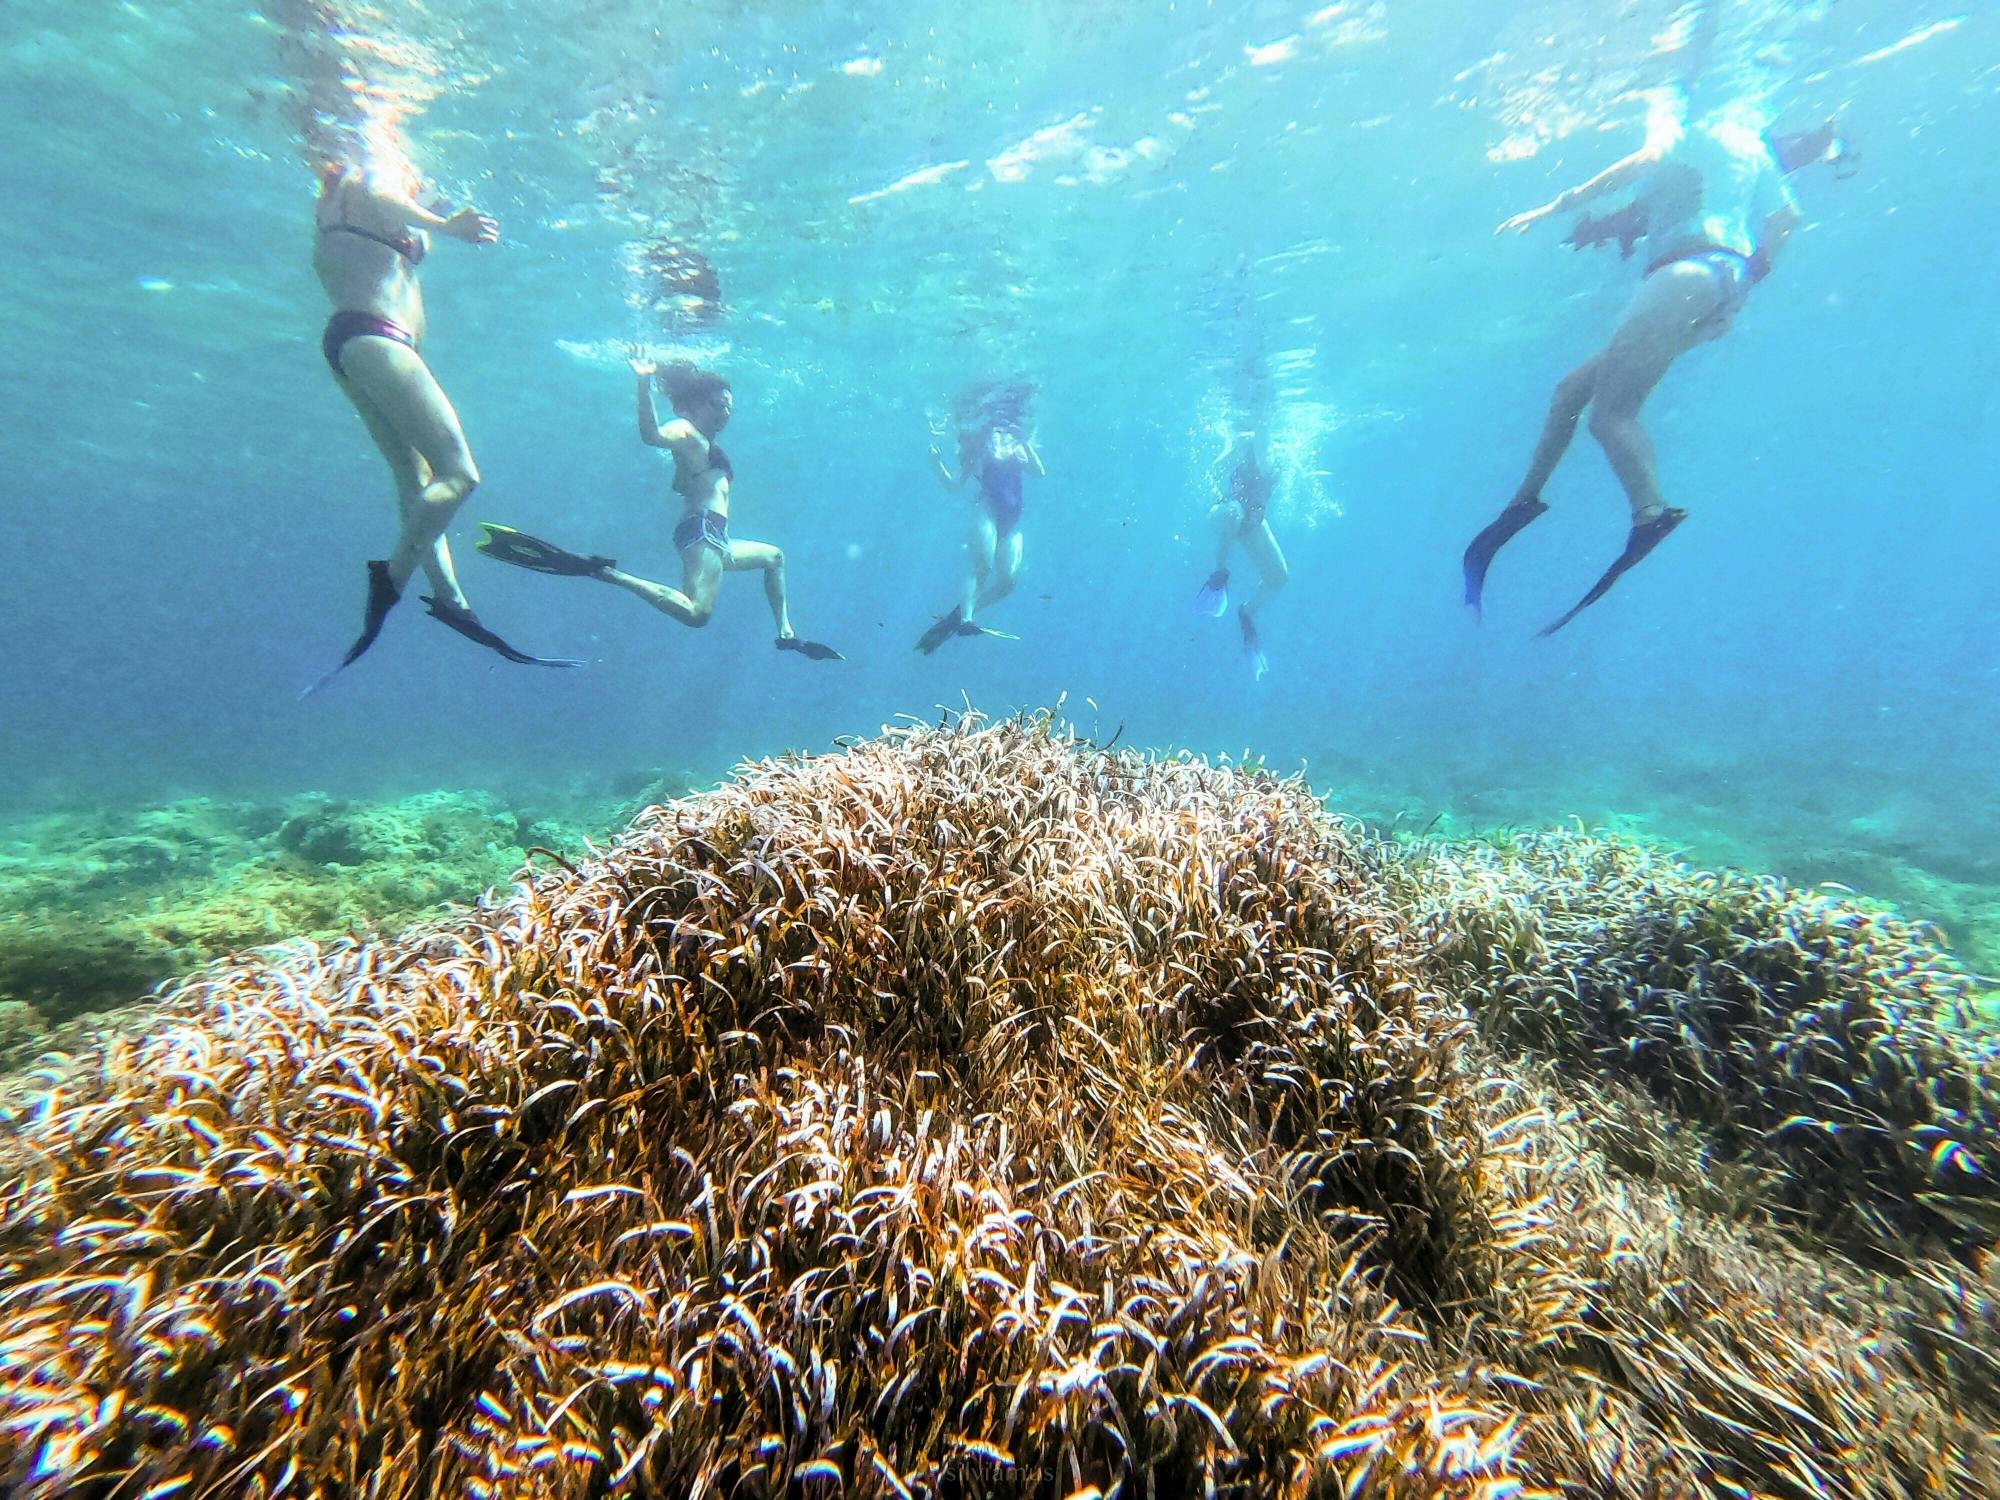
(1830, 1047)
(973, 1111)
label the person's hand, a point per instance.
(1521, 223)
(641, 361)
(472, 226)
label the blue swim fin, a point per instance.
(1212, 601)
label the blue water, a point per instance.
(903, 199)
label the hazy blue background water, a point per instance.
(186, 501)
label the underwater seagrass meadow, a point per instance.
(1108, 1024)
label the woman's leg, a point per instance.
(1679, 306)
(693, 603)
(1006, 572)
(412, 475)
(744, 556)
(396, 382)
(979, 549)
(1573, 393)
(1262, 546)
(1228, 522)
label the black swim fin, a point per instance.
(382, 597)
(1498, 533)
(1642, 539)
(505, 544)
(467, 624)
(810, 650)
(1253, 646)
(943, 628)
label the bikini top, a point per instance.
(409, 244)
(718, 463)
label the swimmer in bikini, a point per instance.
(993, 447)
(703, 476)
(1713, 209)
(372, 236)
(1242, 517)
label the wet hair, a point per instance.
(988, 407)
(685, 385)
(993, 404)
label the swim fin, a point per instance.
(1642, 539)
(971, 627)
(467, 624)
(382, 597)
(944, 626)
(1213, 598)
(1253, 647)
(1498, 533)
(505, 544)
(954, 623)
(811, 650)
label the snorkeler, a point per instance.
(370, 243)
(1714, 210)
(1243, 519)
(702, 402)
(993, 446)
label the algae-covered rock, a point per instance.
(21, 1030)
(97, 908)
(450, 828)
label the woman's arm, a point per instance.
(467, 224)
(679, 436)
(1035, 459)
(1777, 229)
(1617, 176)
(649, 419)
(944, 474)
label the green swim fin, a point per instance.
(505, 544)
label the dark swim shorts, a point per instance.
(705, 528)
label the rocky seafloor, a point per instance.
(100, 905)
(978, 1111)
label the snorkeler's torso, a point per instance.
(1000, 479)
(358, 264)
(1001, 467)
(705, 487)
(1253, 495)
(1713, 191)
